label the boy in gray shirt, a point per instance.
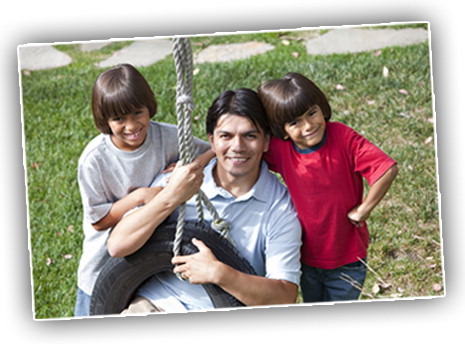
(117, 166)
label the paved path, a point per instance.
(341, 41)
(148, 51)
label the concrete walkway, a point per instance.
(149, 51)
(340, 41)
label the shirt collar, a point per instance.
(258, 190)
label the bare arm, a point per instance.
(203, 267)
(119, 208)
(376, 193)
(205, 157)
(133, 230)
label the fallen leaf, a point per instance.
(396, 295)
(371, 102)
(437, 287)
(35, 165)
(385, 72)
(340, 87)
(196, 71)
(403, 91)
(49, 261)
(295, 54)
(70, 229)
(375, 289)
(385, 285)
(285, 42)
(377, 53)
(428, 140)
(67, 256)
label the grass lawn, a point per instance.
(393, 111)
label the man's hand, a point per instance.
(184, 182)
(201, 267)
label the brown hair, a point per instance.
(119, 91)
(290, 97)
(242, 102)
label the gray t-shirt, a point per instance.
(107, 174)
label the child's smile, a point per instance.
(128, 132)
(307, 130)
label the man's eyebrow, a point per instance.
(253, 131)
(248, 132)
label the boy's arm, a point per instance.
(119, 208)
(205, 157)
(376, 193)
(203, 160)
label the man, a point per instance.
(264, 225)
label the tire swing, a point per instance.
(120, 278)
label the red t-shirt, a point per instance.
(325, 184)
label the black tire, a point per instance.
(120, 277)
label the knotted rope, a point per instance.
(182, 52)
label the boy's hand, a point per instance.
(169, 168)
(357, 216)
(377, 191)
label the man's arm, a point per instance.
(119, 208)
(133, 230)
(203, 267)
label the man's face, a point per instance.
(239, 146)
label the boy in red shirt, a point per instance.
(323, 164)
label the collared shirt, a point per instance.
(264, 228)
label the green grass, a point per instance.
(405, 248)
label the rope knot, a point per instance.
(185, 99)
(221, 225)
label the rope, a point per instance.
(182, 52)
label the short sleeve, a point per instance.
(94, 200)
(283, 243)
(369, 160)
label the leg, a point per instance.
(141, 305)
(345, 282)
(310, 284)
(82, 308)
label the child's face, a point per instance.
(307, 130)
(129, 131)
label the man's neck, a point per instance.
(236, 186)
